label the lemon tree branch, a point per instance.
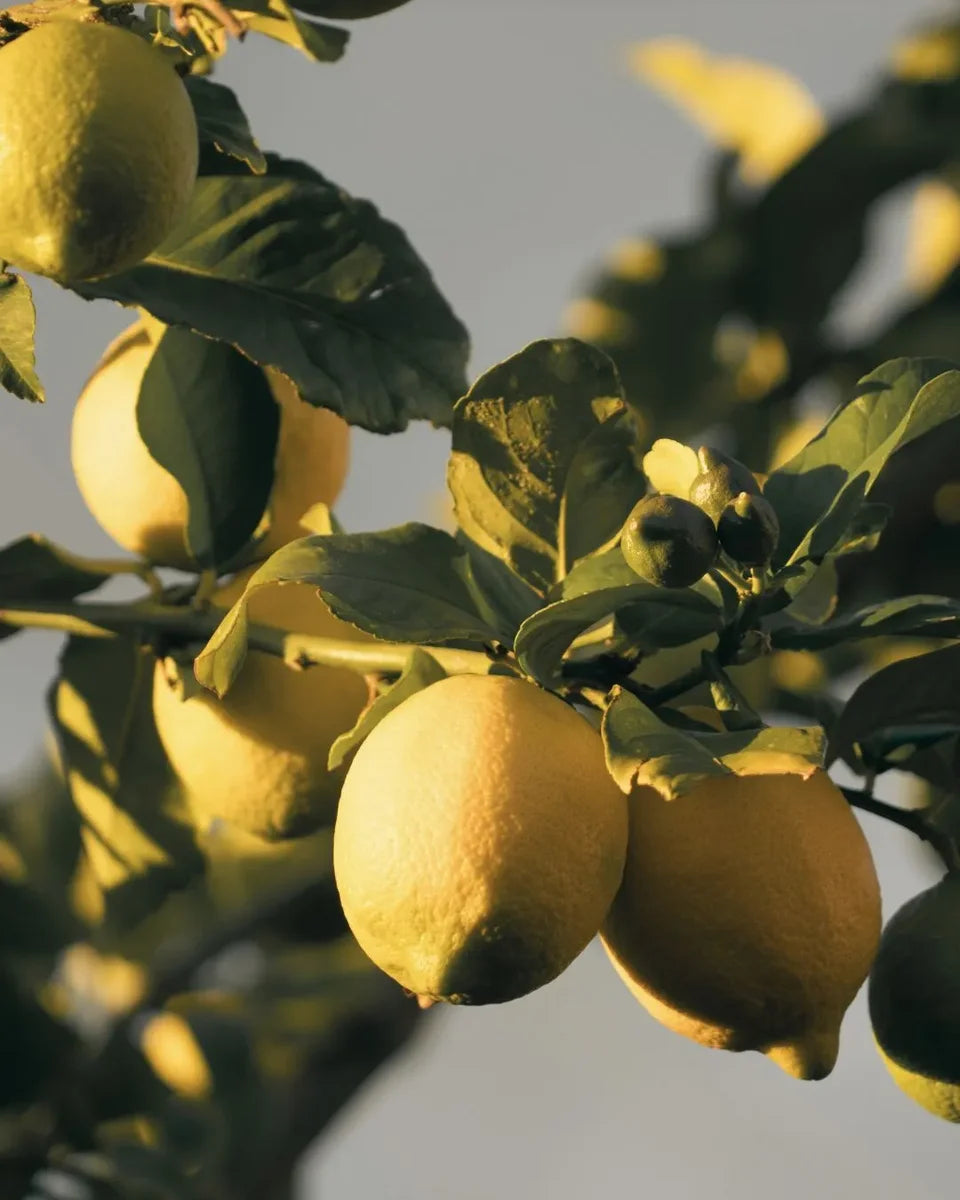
(145, 621)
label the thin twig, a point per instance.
(911, 819)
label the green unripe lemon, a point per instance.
(749, 530)
(914, 998)
(668, 541)
(720, 481)
(99, 151)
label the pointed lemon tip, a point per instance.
(811, 1056)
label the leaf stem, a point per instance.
(189, 625)
(907, 818)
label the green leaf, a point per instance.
(658, 617)
(920, 694)
(906, 616)
(34, 568)
(502, 598)
(18, 323)
(821, 490)
(136, 833)
(421, 670)
(530, 440)
(207, 415)
(277, 20)
(296, 273)
(407, 584)
(222, 123)
(643, 751)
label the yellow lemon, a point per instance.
(748, 915)
(479, 840)
(258, 758)
(142, 506)
(915, 998)
(98, 153)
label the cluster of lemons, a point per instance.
(480, 842)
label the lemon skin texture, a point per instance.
(257, 759)
(143, 507)
(914, 997)
(748, 916)
(98, 149)
(479, 840)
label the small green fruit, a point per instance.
(720, 481)
(914, 997)
(749, 530)
(669, 541)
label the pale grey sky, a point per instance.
(508, 139)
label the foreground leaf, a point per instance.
(295, 273)
(207, 415)
(222, 123)
(541, 470)
(657, 617)
(18, 323)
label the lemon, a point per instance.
(479, 841)
(98, 150)
(914, 998)
(720, 482)
(142, 506)
(749, 530)
(668, 541)
(258, 758)
(748, 916)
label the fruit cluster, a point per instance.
(672, 541)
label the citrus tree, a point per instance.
(317, 781)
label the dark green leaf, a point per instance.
(407, 584)
(33, 568)
(18, 322)
(906, 616)
(222, 123)
(136, 834)
(297, 274)
(208, 416)
(529, 441)
(921, 693)
(658, 617)
(821, 490)
(421, 670)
